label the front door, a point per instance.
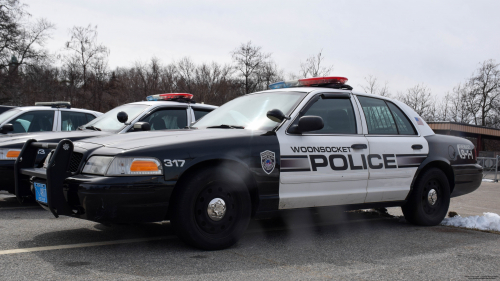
(325, 167)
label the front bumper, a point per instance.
(7, 175)
(468, 178)
(96, 198)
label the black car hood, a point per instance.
(160, 138)
(20, 139)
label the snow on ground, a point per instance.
(488, 221)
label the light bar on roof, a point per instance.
(169, 96)
(308, 82)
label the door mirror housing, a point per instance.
(122, 116)
(307, 124)
(142, 126)
(276, 115)
(7, 128)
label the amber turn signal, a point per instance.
(143, 166)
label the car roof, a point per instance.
(325, 90)
(175, 103)
(32, 108)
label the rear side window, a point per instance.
(384, 118)
(404, 125)
(198, 113)
(35, 121)
(90, 117)
(71, 120)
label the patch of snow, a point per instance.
(488, 221)
(488, 180)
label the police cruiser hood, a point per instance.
(18, 140)
(162, 138)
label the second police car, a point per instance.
(159, 112)
(305, 143)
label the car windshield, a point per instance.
(109, 122)
(249, 111)
(8, 114)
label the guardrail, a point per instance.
(490, 167)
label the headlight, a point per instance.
(122, 166)
(9, 154)
(97, 165)
(134, 166)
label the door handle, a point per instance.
(417, 146)
(359, 146)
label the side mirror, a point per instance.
(142, 126)
(307, 124)
(122, 116)
(276, 115)
(7, 128)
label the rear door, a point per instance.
(396, 150)
(324, 167)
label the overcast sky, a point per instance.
(438, 43)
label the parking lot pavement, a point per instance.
(485, 199)
(300, 245)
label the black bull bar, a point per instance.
(55, 174)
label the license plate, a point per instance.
(41, 192)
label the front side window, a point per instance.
(250, 111)
(70, 121)
(109, 122)
(35, 121)
(384, 118)
(337, 114)
(167, 119)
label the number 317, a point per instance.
(177, 162)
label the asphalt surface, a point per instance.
(299, 245)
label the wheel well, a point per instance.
(446, 168)
(239, 169)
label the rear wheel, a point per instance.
(211, 209)
(429, 200)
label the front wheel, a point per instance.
(429, 200)
(211, 209)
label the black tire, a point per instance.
(418, 209)
(189, 215)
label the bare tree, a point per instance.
(373, 86)
(85, 50)
(269, 74)
(419, 97)
(249, 59)
(313, 67)
(484, 92)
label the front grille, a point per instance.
(74, 163)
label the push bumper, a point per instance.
(468, 178)
(95, 198)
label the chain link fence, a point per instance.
(490, 167)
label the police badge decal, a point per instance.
(268, 160)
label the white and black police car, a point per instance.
(305, 143)
(160, 112)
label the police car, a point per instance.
(44, 117)
(305, 143)
(159, 112)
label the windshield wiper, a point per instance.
(224, 126)
(92, 128)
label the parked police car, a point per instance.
(45, 117)
(305, 143)
(160, 112)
